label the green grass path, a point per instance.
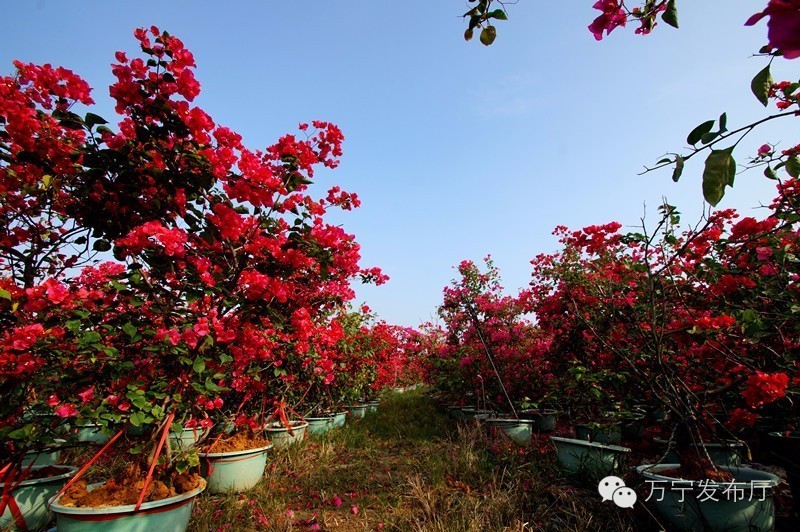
(408, 467)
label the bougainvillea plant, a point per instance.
(491, 346)
(227, 280)
(701, 318)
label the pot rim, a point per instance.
(789, 434)
(71, 470)
(229, 454)
(509, 421)
(57, 445)
(585, 443)
(319, 418)
(711, 445)
(126, 509)
(540, 412)
(295, 424)
(773, 480)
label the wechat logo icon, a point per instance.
(614, 489)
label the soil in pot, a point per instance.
(126, 489)
(242, 440)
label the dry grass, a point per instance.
(411, 468)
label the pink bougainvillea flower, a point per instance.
(354, 510)
(612, 17)
(87, 395)
(764, 150)
(68, 410)
(783, 26)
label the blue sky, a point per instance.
(456, 150)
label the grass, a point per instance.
(409, 467)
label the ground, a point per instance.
(409, 467)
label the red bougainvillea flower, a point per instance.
(765, 388)
(784, 26)
(613, 16)
(741, 418)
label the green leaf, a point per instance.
(698, 132)
(5, 294)
(130, 329)
(679, 163)
(91, 337)
(719, 172)
(468, 33)
(136, 419)
(199, 365)
(707, 138)
(101, 245)
(670, 16)
(769, 173)
(21, 433)
(499, 14)
(793, 166)
(723, 123)
(488, 35)
(94, 120)
(761, 85)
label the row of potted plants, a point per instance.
(689, 329)
(161, 282)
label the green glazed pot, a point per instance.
(93, 434)
(31, 498)
(598, 459)
(543, 420)
(167, 515)
(372, 407)
(44, 457)
(319, 425)
(339, 419)
(234, 471)
(280, 436)
(722, 454)
(357, 411)
(476, 413)
(606, 434)
(633, 426)
(186, 439)
(783, 449)
(690, 508)
(516, 430)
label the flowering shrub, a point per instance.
(228, 279)
(372, 356)
(478, 318)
